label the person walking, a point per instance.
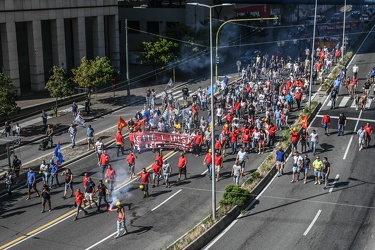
(90, 192)
(44, 171)
(68, 182)
(297, 166)
(326, 121)
(119, 143)
(104, 161)
(17, 132)
(16, 166)
(110, 175)
(208, 162)
(306, 167)
(236, 173)
(72, 132)
(218, 164)
(8, 183)
(156, 171)
(120, 220)
(102, 191)
(314, 140)
(7, 129)
(167, 171)
(131, 162)
(90, 137)
(242, 156)
(46, 198)
(182, 163)
(326, 171)
(49, 134)
(99, 148)
(361, 134)
(144, 177)
(54, 175)
(74, 109)
(280, 161)
(333, 97)
(31, 183)
(79, 201)
(44, 117)
(341, 124)
(87, 105)
(318, 166)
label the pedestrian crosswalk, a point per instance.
(345, 101)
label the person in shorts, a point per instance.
(297, 165)
(326, 171)
(237, 172)
(90, 191)
(318, 166)
(68, 182)
(131, 162)
(144, 177)
(182, 163)
(90, 138)
(46, 198)
(280, 161)
(31, 183)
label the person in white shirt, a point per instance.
(237, 173)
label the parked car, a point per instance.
(356, 12)
(364, 18)
(319, 19)
(250, 56)
(336, 18)
(370, 11)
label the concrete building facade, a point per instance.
(35, 35)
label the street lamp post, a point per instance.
(312, 53)
(234, 21)
(212, 109)
(343, 34)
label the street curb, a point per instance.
(225, 221)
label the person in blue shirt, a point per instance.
(337, 84)
(280, 161)
(54, 175)
(90, 138)
(31, 183)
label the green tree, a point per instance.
(94, 73)
(157, 53)
(8, 96)
(58, 85)
(235, 195)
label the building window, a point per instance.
(153, 27)
(133, 27)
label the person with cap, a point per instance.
(120, 220)
(144, 177)
(318, 167)
(54, 175)
(208, 162)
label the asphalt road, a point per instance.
(153, 223)
(297, 216)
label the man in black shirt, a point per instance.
(326, 171)
(185, 93)
(90, 191)
(341, 124)
(17, 167)
(102, 193)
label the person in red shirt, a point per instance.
(182, 162)
(208, 162)
(271, 134)
(119, 143)
(131, 162)
(218, 145)
(246, 137)
(295, 139)
(156, 171)
(197, 143)
(110, 175)
(144, 176)
(233, 140)
(79, 200)
(326, 121)
(84, 180)
(299, 99)
(368, 129)
(104, 161)
(218, 165)
(159, 157)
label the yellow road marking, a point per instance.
(29, 234)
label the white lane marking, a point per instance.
(236, 220)
(344, 100)
(166, 200)
(352, 136)
(329, 103)
(368, 104)
(334, 183)
(312, 223)
(97, 243)
(204, 172)
(353, 104)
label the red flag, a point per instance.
(305, 122)
(121, 123)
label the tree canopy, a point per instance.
(8, 96)
(94, 73)
(59, 83)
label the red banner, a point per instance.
(156, 140)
